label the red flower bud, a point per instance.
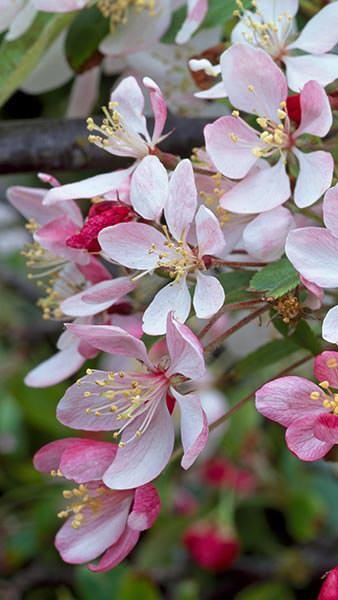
(329, 589)
(210, 547)
(293, 108)
(221, 473)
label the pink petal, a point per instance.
(117, 552)
(194, 427)
(146, 507)
(28, 201)
(330, 210)
(185, 350)
(315, 176)
(288, 398)
(326, 428)
(215, 91)
(84, 92)
(97, 298)
(330, 586)
(301, 439)
(319, 35)
(249, 195)
(316, 294)
(130, 104)
(112, 340)
(265, 236)
(130, 323)
(57, 368)
(301, 69)
(53, 237)
(87, 460)
(210, 238)
(97, 532)
(159, 107)
(229, 143)
(271, 10)
(144, 458)
(326, 367)
(316, 113)
(48, 457)
(208, 297)
(88, 188)
(330, 326)
(174, 297)
(313, 251)
(182, 201)
(94, 271)
(149, 188)
(197, 10)
(246, 68)
(129, 243)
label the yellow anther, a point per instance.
(324, 384)
(89, 371)
(315, 395)
(88, 410)
(281, 113)
(67, 494)
(233, 137)
(87, 394)
(262, 122)
(122, 444)
(331, 363)
(251, 88)
(235, 113)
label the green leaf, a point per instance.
(268, 354)
(19, 57)
(83, 38)
(235, 286)
(99, 586)
(137, 586)
(306, 338)
(266, 591)
(219, 12)
(276, 279)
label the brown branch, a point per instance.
(221, 338)
(62, 144)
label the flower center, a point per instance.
(116, 134)
(178, 258)
(81, 498)
(275, 136)
(271, 36)
(124, 396)
(117, 10)
(330, 399)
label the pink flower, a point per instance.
(329, 590)
(210, 546)
(256, 85)
(308, 411)
(197, 9)
(100, 521)
(142, 247)
(124, 133)
(133, 404)
(314, 253)
(272, 28)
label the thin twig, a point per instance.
(221, 338)
(226, 308)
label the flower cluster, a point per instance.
(143, 252)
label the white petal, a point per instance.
(173, 297)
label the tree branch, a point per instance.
(62, 144)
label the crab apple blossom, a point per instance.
(133, 404)
(145, 248)
(314, 252)
(329, 589)
(235, 147)
(308, 411)
(124, 133)
(272, 28)
(211, 547)
(100, 522)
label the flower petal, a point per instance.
(330, 210)
(149, 188)
(90, 187)
(330, 326)
(117, 552)
(48, 457)
(173, 297)
(313, 251)
(315, 176)
(208, 297)
(182, 201)
(159, 107)
(250, 195)
(98, 531)
(316, 113)
(28, 201)
(84, 92)
(59, 5)
(60, 366)
(97, 298)
(53, 237)
(326, 428)
(287, 398)
(87, 460)
(265, 236)
(326, 367)
(185, 350)
(318, 35)
(113, 340)
(129, 244)
(301, 440)
(144, 458)
(253, 81)
(210, 238)
(194, 426)
(229, 143)
(146, 507)
(197, 9)
(130, 104)
(300, 69)
(272, 9)
(52, 70)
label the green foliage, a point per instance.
(276, 279)
(266, 591)
(19, 57)
(83, 38)
(265, 355)
(306, 338)
(235, 284)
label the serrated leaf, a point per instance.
(19, 57)
(306, 338)
(235, 286)
(268, 354)
(276, 279)
(84, 36)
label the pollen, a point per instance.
(331, 363)
(117, 11)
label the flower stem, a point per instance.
(235, 264)
(228, 307)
